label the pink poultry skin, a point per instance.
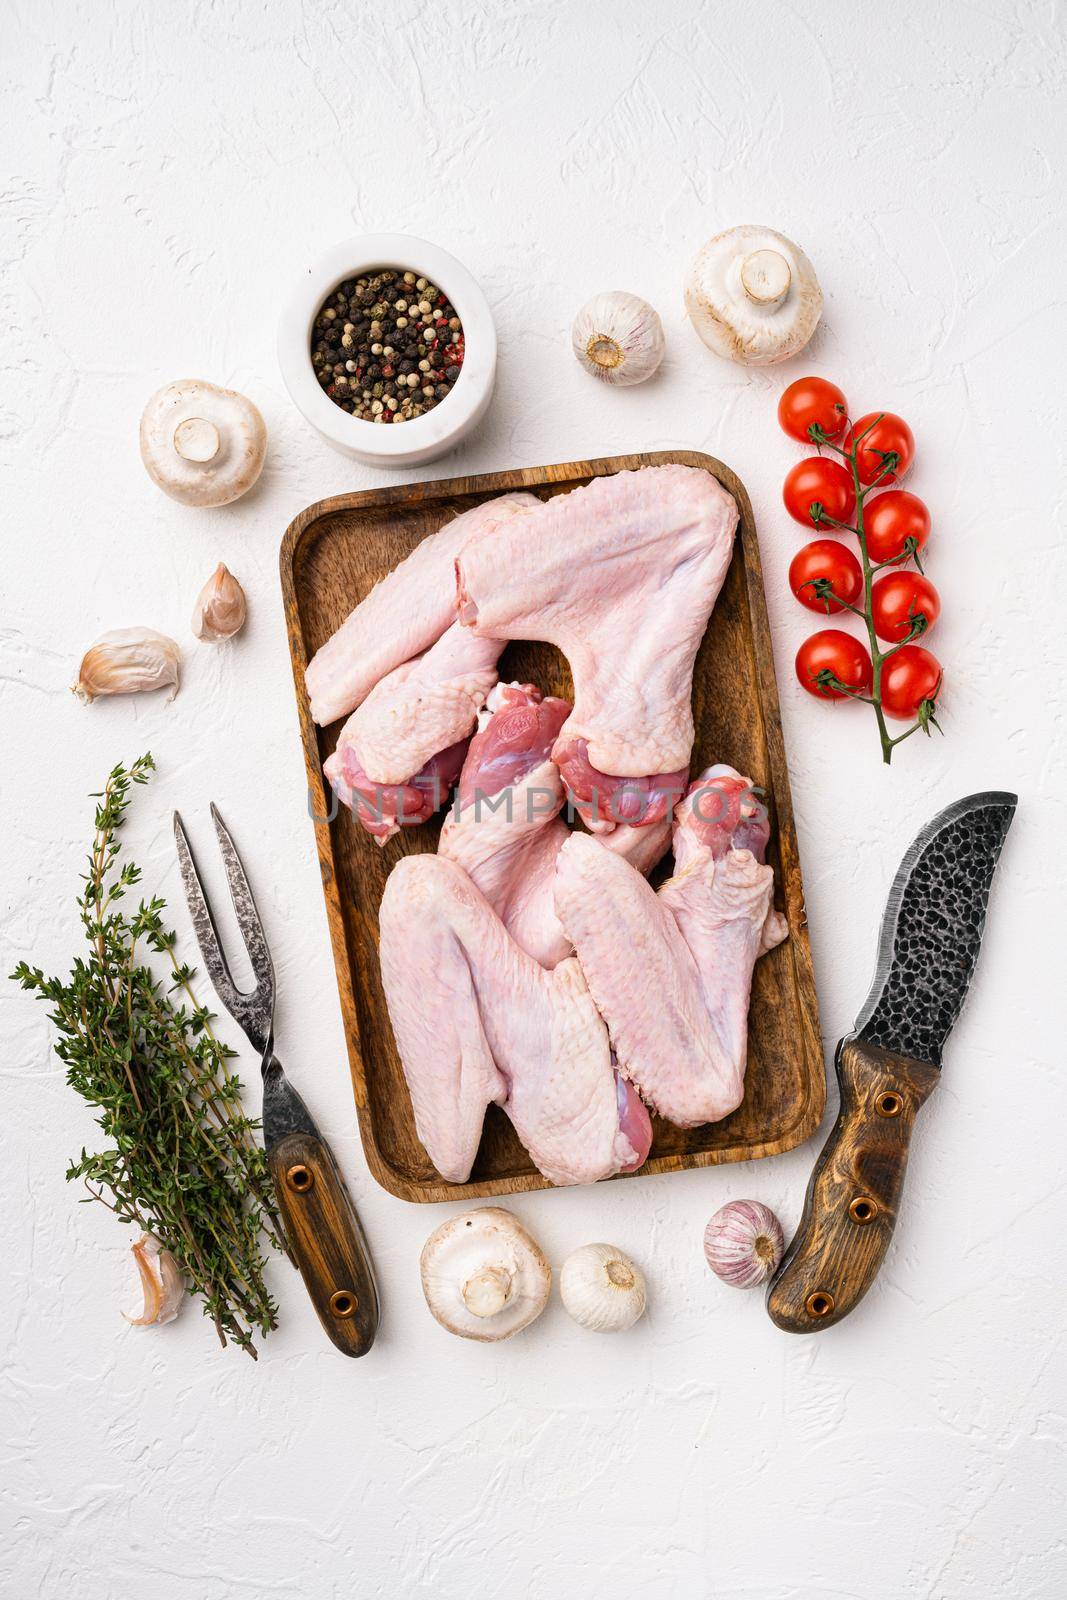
(671, 973)
(622, 576)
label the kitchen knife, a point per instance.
(887, 1067)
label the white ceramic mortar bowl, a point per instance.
(403, 444)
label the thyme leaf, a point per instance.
(182, 1160)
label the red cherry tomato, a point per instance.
(890, 520)
(888, 434)
(821, 563)
(898, 599)
(818, 481)
(910, 676)
(812, 403)
(836, 653)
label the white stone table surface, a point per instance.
(166, 171)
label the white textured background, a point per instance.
(167, 171)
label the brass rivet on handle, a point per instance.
(343, 1303)
(819, 1303)
(863, 1209)
(300, 1178)
(889, 1104)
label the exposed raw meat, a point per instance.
(509, 847)
(622, 575)
(383, 808)
(722, 812)
(477, 1021)
(403, 614)
(503, 828)
(671, 972)
(422, 707)
(414, 725)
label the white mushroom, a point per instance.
(753, 296)
(483, 1276)
(602, 1289)
(201, 444)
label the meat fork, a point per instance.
(320, 1220)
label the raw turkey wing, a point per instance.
(622, 576)
(477, 1021)
(403, 614)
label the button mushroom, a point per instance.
(201, 444)
(753, 296)
(483, 1276)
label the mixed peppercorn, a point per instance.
(388, 346)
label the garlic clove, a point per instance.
(752, 295)
(743, 1243)
(201, 444)
(221, 608)
(128, 661)
(160, 1286)
(483, 1275)
(618, 337)
(602, 1289)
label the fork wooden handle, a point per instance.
(854, 1193)
(326, 1240)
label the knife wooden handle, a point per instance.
(326, 1239)
(850, 1209)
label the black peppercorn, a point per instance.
(367, 341)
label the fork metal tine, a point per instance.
(254, 1010)
(244, 905)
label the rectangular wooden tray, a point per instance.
(332, 554)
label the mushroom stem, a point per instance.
(487, 1292)
(197, 439)
(765, 278)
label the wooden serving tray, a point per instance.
(332, 554)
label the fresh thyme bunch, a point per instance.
(183, 1161)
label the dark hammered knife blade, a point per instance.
(931, 934)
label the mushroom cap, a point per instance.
(483, 1275)
(753, 296)
(201, 444)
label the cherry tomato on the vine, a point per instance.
(890, 520)
(909, 676)
(825, 576)
(888, 434)
(838, 654)
(812, 402)
(898, 599)
(818, 481)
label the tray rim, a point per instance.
(409, 494)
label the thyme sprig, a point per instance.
(183, 1161)
(926, 715)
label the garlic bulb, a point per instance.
(483, 1276)
(128, 661)
(743, 1243)
(159, 1284)
(618, 337)
(753, 296)
(201, 444)
(602, 1289)
(220, 609)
